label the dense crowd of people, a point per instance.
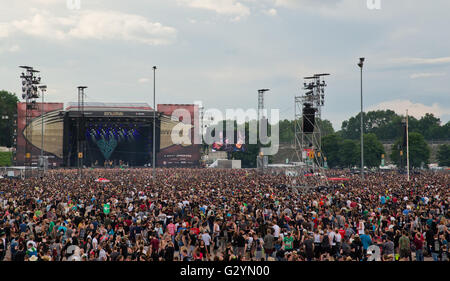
(215, 215)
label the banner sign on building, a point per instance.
(172, 154)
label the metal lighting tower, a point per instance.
(29, 93)
(80, 130)
(308, 112)
(361, 65)
(261, 103)
(260, 127)
(154, 121)
(407, 144)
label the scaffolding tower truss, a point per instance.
(30, 93)
(307, 133)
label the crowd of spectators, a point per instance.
(214, 215)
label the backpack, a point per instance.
(334, 238)
(325, 241)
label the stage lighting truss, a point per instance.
(315, 90)
(313, 98)
(30, 82)
(30, 92)
(98, 131)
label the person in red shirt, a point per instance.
(288, 219)
(342, 233)
(316, 222)
(198, 256)
(418, 243)
(154, 242)
(195, 230)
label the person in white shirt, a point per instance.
(249, 242)
(102, 254)
(207, 239)
(94, 243)
(276, 231)
(331, 238)
(216, 233)
(361, 228)
(338, 240)
(32, 243)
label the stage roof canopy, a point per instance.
(104, 106)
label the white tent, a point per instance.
(214, 165)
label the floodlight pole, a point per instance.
(261, 103)
(260, 118)
(154, 121)
(361, 64)
(42, 126)
(407, 144)
(42, 130)
(80, 139)
(78, 132)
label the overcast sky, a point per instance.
(221, 51)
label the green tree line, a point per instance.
(346, 153)
(387, 125)
(8, 108)
(443, 155)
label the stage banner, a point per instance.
(179, 155)
(53, 132)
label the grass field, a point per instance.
(5, 159)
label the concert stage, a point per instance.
(118, 134)
(107, 134)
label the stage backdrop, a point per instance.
(170, 154)
(53, 133)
